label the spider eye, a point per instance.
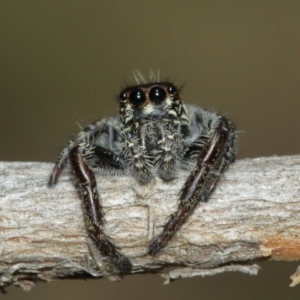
(172, 89)
(137, 97)
(157, 95)
(123, 96)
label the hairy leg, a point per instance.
(93, 213)
(213, 159)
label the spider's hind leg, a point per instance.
(104, 126)
(59, 166)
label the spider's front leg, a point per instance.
(94, 216)
(212, 161)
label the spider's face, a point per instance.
(147, 99)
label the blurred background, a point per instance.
(62, 63)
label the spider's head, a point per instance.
(149, 100)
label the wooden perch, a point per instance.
(254, 213)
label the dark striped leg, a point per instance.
(59, 166)
(212, 162)
(89, 132)
(94, 216)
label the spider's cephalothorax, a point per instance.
(154, 123)
(155, 135)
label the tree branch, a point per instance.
(254, 213)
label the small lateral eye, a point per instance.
(123, 96)
(172, 89)
(137, 97)
(157, 95)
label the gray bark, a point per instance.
(253, 213)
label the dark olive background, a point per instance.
(63, 63)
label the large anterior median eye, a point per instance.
(137, 97)
(157, 95)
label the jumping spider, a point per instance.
(155, 134)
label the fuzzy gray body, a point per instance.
(153, 144)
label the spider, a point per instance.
(154, 135)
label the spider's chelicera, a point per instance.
(154, 135)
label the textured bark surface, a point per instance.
(254, 213)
